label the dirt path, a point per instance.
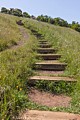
(23, 40)
(48, 67)
(48, 99)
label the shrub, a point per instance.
(25, 14)
(4, 10)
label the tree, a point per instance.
(33, 17)
(25, 14)
(17, 12)
(75, 26)
(46, 18)
(73, 22)
(43, 18)
(40, 18)
(51, 20)
(4, 10)
(11, 10)
(60, 22)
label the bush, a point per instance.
(4, 10)
(25, 14)
(17, 12)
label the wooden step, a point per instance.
(35, 32)
(45, 45)
(49, 56)
(42, 40)
(46, 50)
(48, 78)
(48, 73)
(48, 115)
(50, 65)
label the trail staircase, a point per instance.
(49, 69)
(50, 63)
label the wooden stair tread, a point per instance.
(45, 48)
(48, 55)
(50, 65)
(48, 115)
(50, 73)
(48, 62)
(48, 78)
(45, 45)
(44, 42)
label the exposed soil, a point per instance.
(47, 115)
(24, 39)
(48, 99)
(50, 73)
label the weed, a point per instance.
(9, 31)
(15, 68)
(16, 65)
(67, 42)
(61, 87)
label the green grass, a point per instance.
(59, 87)
(9, 31)
(15, 68)
(33, 106)
(67, 41)
(16, 65)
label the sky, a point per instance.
(68, 10)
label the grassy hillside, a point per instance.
(67, 41)
(16, 65)
(9, 31)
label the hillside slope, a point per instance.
(16, 65)
(16, 62)
(9, 31)
(66, 40)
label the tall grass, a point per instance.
(16, 65)
(9, 31)
(15, 68)
(67, 41)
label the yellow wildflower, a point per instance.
(16, 86)
(20, 89)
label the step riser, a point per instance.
(56, 57)
(50, 67)
(46, 51)
(48, 73)
(43, 42)
(38, 35)
(44, 46)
